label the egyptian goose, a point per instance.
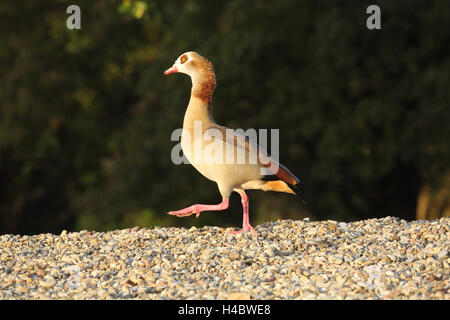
(200, 131)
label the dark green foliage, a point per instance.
(86, 115)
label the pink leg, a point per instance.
(246, 222)
(197, 208)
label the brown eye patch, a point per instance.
(183, 58)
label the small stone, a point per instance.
(21, 289)
(130, 283)
(442, 254)
(392, 258)
(238, 296)
(342, 225)
(337, 260)
(47, 284)
(404, 239)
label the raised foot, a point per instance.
(184, 213)
(197, 208)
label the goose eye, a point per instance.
(183, 58)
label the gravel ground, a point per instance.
(384, 258)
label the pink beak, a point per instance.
(172, 69)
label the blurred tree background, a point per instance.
(86, 115)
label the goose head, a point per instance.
(199, 69)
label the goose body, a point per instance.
(217, 152)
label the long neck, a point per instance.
(197, 110)
(200, 103)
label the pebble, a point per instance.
(386, 258)
(442, 254)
